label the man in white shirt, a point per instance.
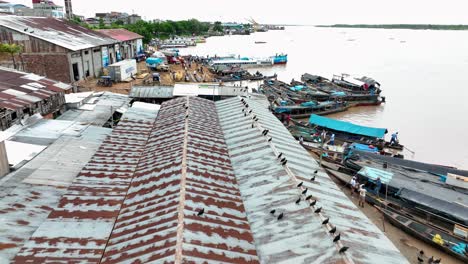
(362, 195)
(353, 185)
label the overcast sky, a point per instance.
(309, 12)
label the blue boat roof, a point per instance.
(347, 127)
(365, 148)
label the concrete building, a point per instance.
(191, 183)
(114, 17)
(42, 8)
(56, 48)
(68, 9)
(132, 19)
(24, 95)
(130, 44)
(10, 8)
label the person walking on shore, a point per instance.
(288, 119)
(353, 185)
(362, 195)
(394, 139)
(332, 140)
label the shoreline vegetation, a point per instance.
(400, 26)
(161, 29)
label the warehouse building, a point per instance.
(23, 95)
(56, 48)
(130, 43)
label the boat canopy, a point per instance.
(441, 205)
(347, 127)
(373, 174)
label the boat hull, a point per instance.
(393, 218)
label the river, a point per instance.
(423, 73)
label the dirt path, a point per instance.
(176, 74)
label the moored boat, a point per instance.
(344, 131)
(306, 109)
(280, 59)
(448, 243)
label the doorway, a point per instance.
(76, 72)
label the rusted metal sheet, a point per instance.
(24, 201)
(120, 34)
(16, 89)
(139, 198)
(185, 168)
(55, 31)
(78, 229)
(267, 185)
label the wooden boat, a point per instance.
(303, 111)
(435, 222)
(357, 134)
(428, 234)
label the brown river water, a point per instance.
(424, 77)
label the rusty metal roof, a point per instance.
(20, 89)
(120, 34)
(57, 31)
(29, 194)
(184, 169)
(126, 203)
(266, 185)
(80, 225)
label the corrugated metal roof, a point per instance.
(78, 229)
(20, 89)
(266, 185)
(207, 89)
(184, 169)
(57, 31)
(120, 34)
(138, 198)
(152, 92)
(105, 104)
(29, 194)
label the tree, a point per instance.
(101, 23)
(218, 26)
(11, 49)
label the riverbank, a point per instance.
(408, 245)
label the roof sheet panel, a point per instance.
(57, 31)
(78, 229)
(266, 185)
(171, 186)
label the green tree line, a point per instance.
(164, 29)
(161, 29)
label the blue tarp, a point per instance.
(297, 88)
(347, 127)
(362, 147)
(308, 104)
(373, 174)
(338, 94)
(153, 62)
(282, 110)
